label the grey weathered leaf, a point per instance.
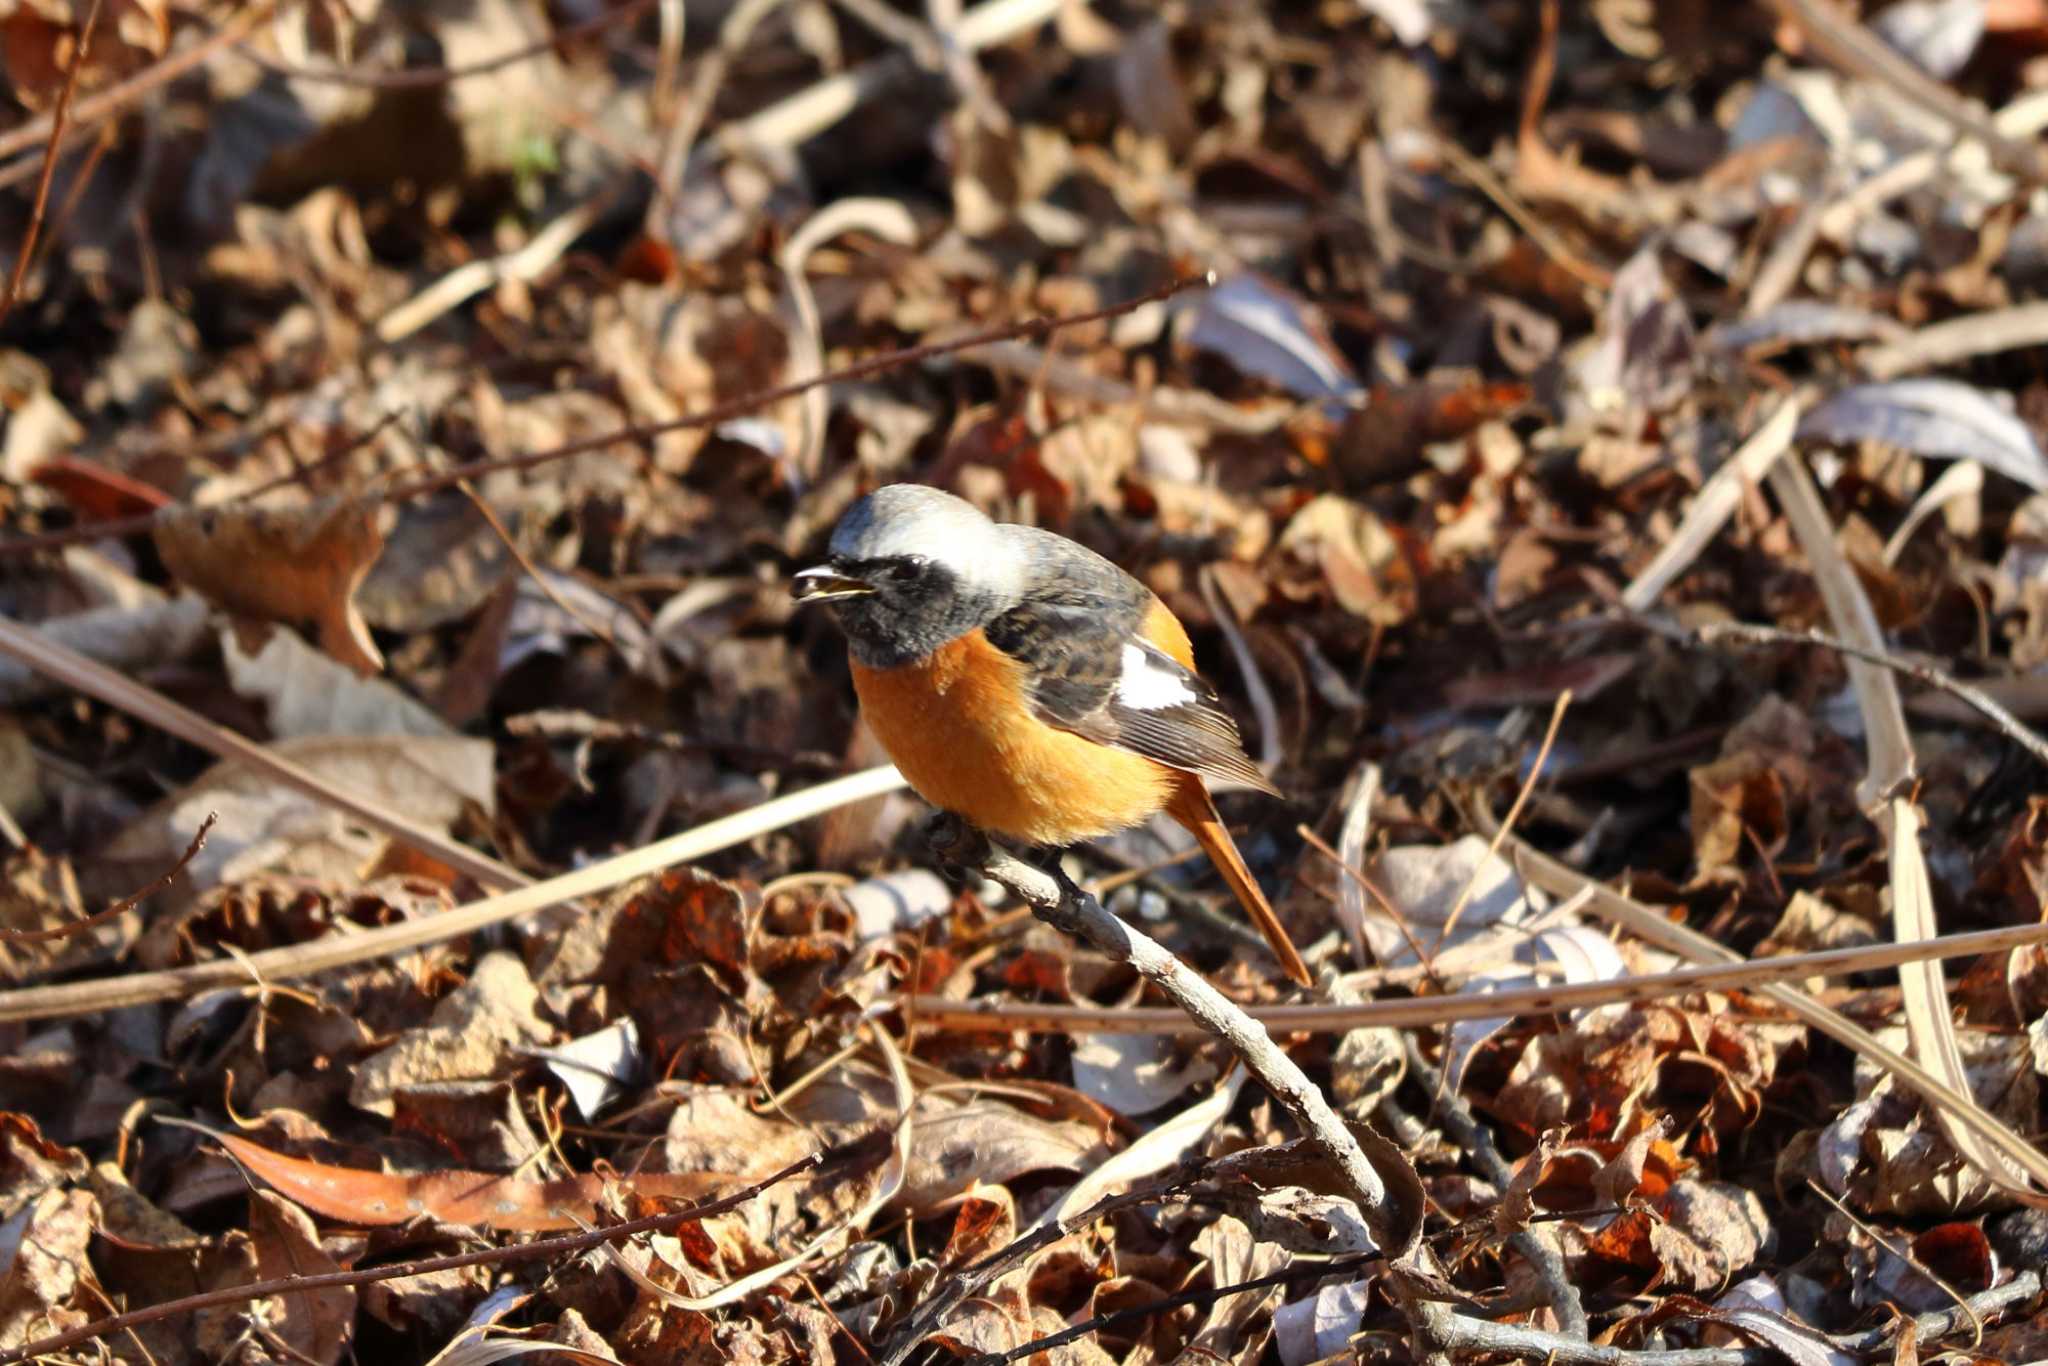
(1938, 36)
(1322, 1325)
(1803, 322)
(1265, 331)
(1933, 417)
(597, 1067)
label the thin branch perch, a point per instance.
(1066, 907)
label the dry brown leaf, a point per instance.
(475, 1032)
(291, 565)
(427, 780)
(319, 1325)
(44, 1288)
(31, 1164)
(39, 41)
(475, 1199)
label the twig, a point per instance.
(112, 100)
(1356, 887)
(1858, 51)
(1482, 178)
(1540, 1252)
(1564, 700)
(1060, 904)
(1516, 1342)
(1933, 1327)
(599, 631)
(1336, 1266)
(1976, 699)
(1728, 974)
(472, 278)
(706, 417)
(971, 1280)
(1458, 1332)
(343, 950)
(26, 251)
(1904, 1253)
(1559, 880)
(1533, 1344)
(1955, 339)
(761, 398)
(47, 656)
(421, 77)
(127, 902)
(733, 34)
(301, 1285)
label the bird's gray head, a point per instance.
(911, 568)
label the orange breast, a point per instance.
(958, 726)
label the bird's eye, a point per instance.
(906, 572)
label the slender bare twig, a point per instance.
(335, 951)
(301, 1285)
(706, 417)
(25, 253)
(112, 100)
(1539, 1251)
(1520, 1342)
(1524, 1343)
(1726, 974)
(971, 1280)
(762, 398)
(1066, 907)
(1976, 699)
(1858, 51)
(66, 930)
(1139, 1313)
(1564, 700)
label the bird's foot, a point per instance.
(1056, 869)
(958, 850)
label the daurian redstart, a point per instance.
(1028, 685)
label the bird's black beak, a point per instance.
(823, 583)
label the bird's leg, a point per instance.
(957, 848)
(964, 854)
(1056, 867)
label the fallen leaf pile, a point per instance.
(381, 478)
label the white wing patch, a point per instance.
(1149, 684)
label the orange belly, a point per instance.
(959, 728)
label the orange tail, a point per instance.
(1192, 807)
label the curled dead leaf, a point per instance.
(298, 564)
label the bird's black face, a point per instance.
(896, 609)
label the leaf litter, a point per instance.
(1543, 340)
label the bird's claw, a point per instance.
(952, 842)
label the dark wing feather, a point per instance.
(1072, 636)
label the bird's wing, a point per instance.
(1092, 672)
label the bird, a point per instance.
(1028, 685)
